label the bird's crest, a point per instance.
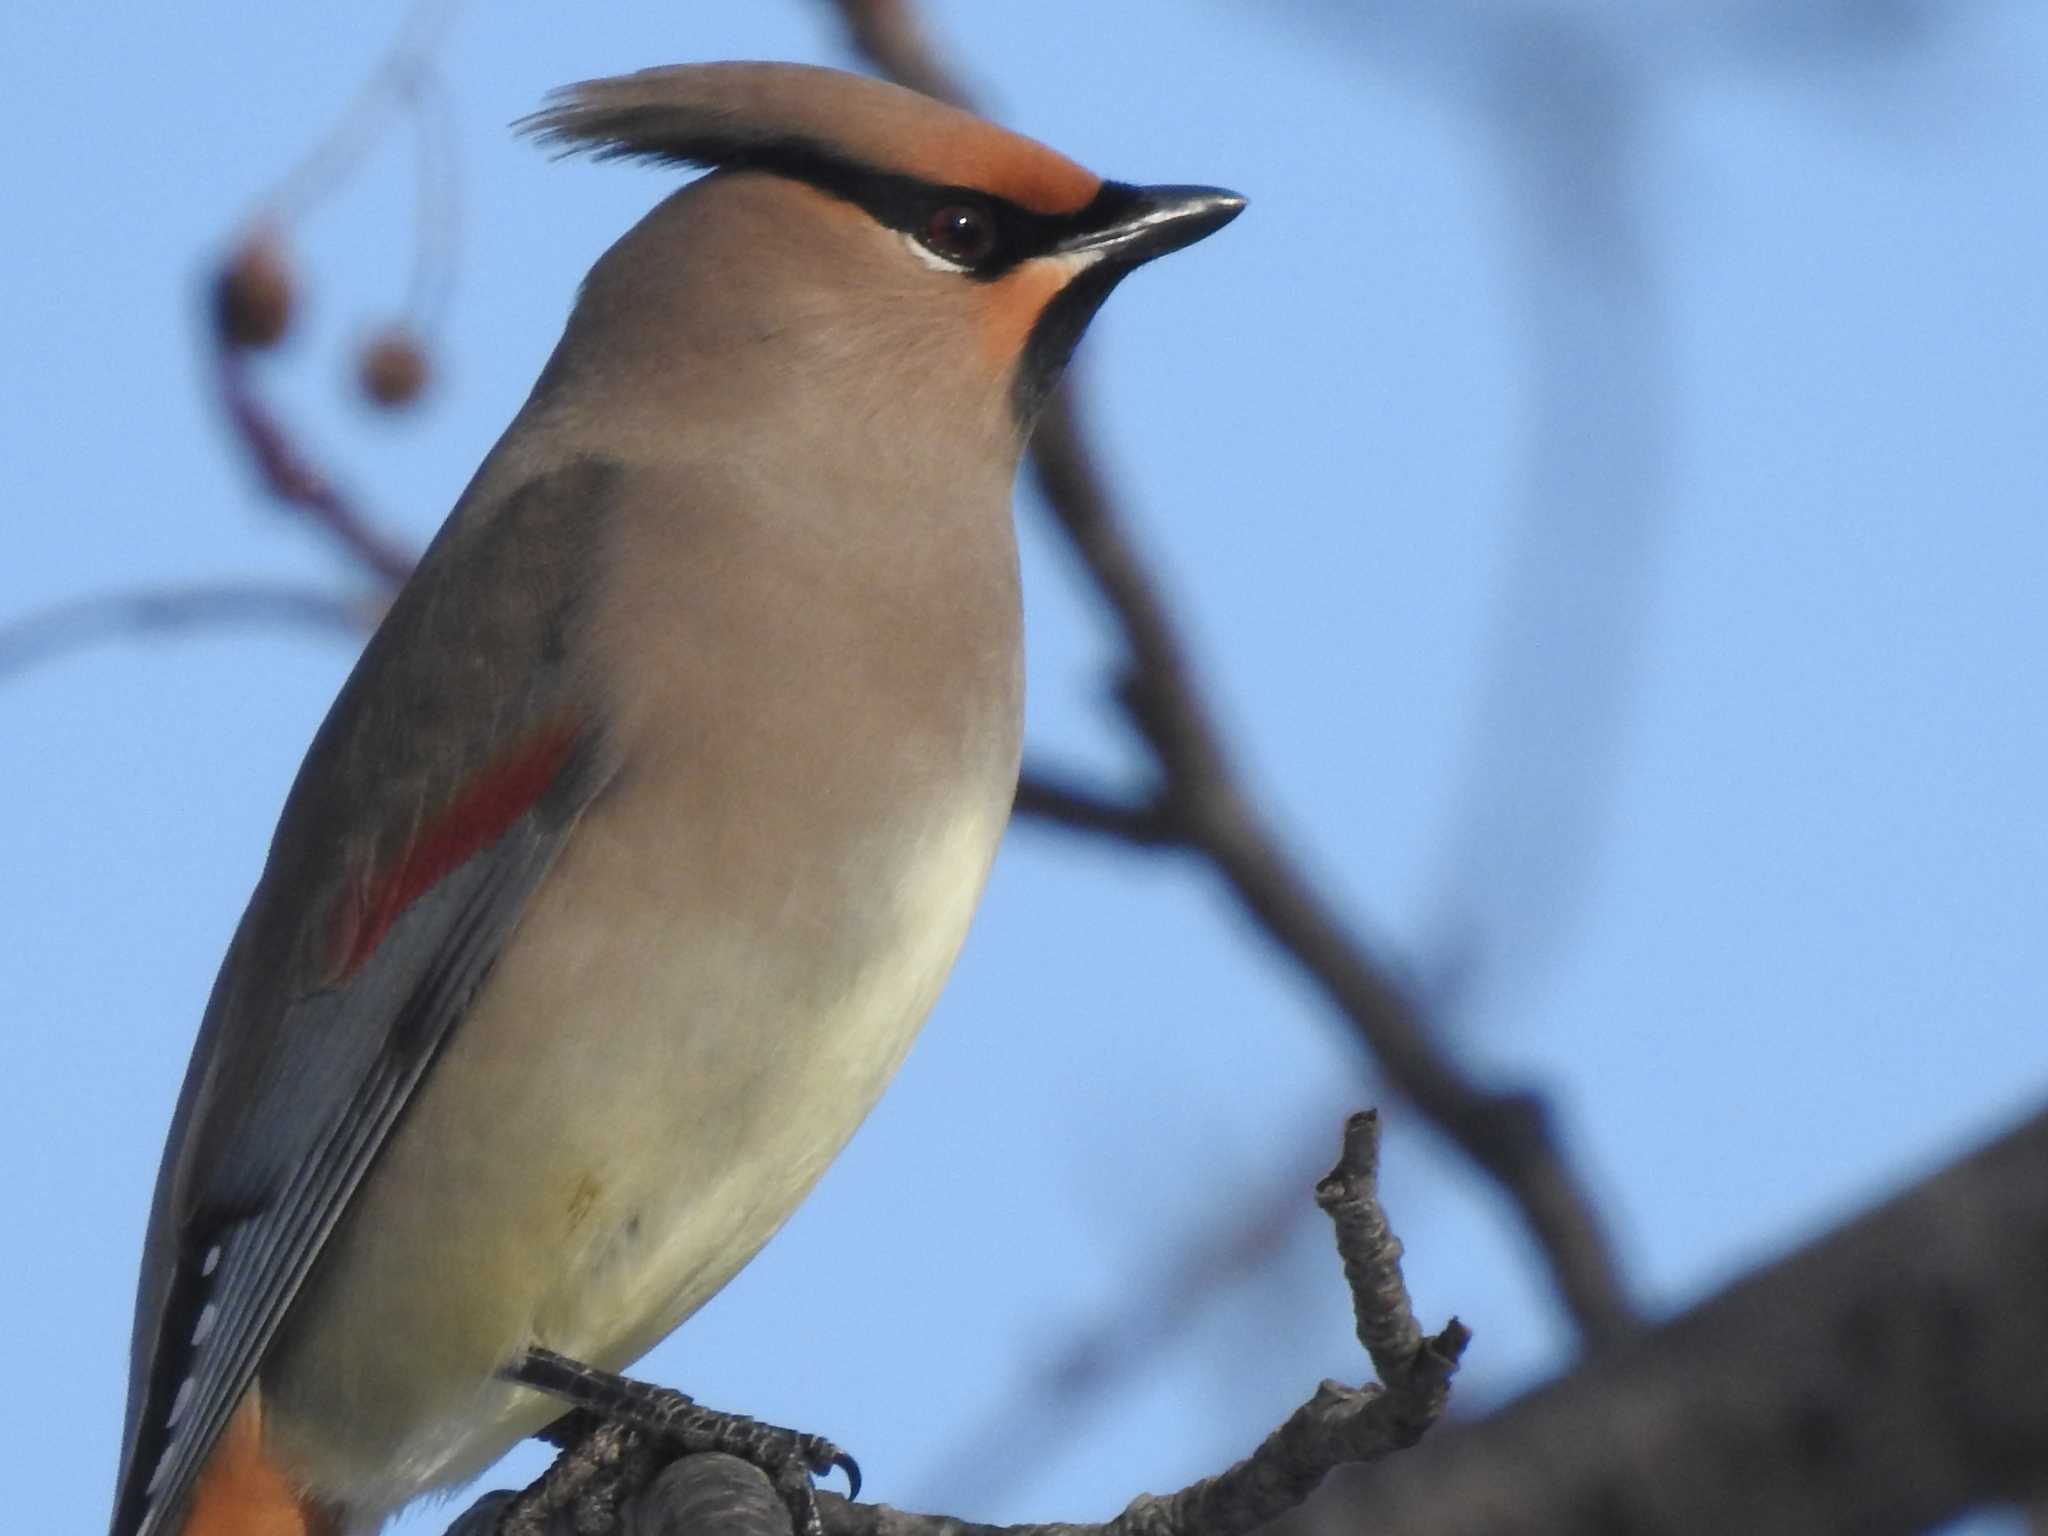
(799, 119)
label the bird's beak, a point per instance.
(1154, 221)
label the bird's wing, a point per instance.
(448, 775)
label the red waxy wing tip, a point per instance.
(477, 817)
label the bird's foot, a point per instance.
(608, 1402)
(601, 1467)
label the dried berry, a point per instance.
(394, 368)
(252, 297)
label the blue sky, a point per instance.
(1602, 478)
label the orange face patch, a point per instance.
(1014, 303)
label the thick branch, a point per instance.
(1883, 1380)
(709, 1494)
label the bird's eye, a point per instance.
(962, 233)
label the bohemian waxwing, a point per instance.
(636, 847)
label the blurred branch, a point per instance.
(65, 627)
(891, 35)
(1246, 1248)
(1883, 1380)
(253, 304)
(1565, 116)
(253, 308)
(1051, 797)
(1205, 806)
(291, 477)
(1338, 1426)
(1569, 96)
(403, 76)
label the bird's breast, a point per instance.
(644, 1091)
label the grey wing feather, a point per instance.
(297, 1081)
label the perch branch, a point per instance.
(1885, 1379)
(1338, 1426)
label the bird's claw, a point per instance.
(790, 1458)
(851, 1468)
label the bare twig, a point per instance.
(1371, 1253)
(1883, 1380)
(1054, 798)
(405, 69)
(404, 80)
(65, 627)
(437, 215)
(1205, 805)
(1338, 1426)
(292, 478)
(891, 35)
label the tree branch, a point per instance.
(65, 627)
(291, 477)
(1044, 795)
(1338, 1426)
(1883, 1380)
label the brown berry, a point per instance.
(394, 368)
(252, 297)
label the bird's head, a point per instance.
(863, 236)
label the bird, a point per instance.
(640, 839)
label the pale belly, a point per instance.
(642, 1094)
